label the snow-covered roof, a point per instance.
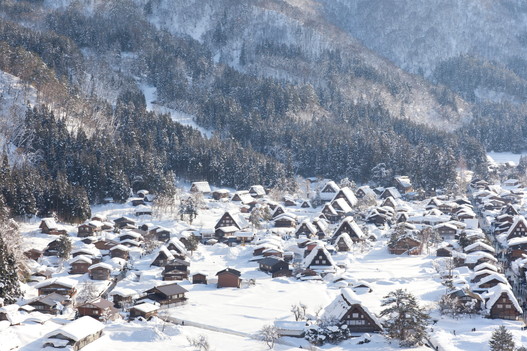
(479, 245)
(178, 244)
(341, 203)
(517, 241)
(493, 294)
(131, 233)
(101, 265)
(309, 226)
(290, 325)
(78, 329)
(81, 258)
(50, 223)
(93, 251)
(244, 196)
(393, 192)
(493, 275)
(308, 260)
(485, 265)
(228, 229)
(66, 282)
(367, 190)
(119, 247)
(404, 181)
(341, 305)
(125, 292)
(346, 238)
(517, 220)
(473, 257)
(202, 187)
(146, 307)
(329, 190)
(354, 226)
(349, 196)
(163, 249)
(258, 190)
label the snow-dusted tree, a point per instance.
(406, 321)
(366, 202)
(64, 249)
(269, 334)
(9, 283)
(201, 342)
(327, 331)
(346, 182)
(87, 292)
(501, 340)
(165, 206)
(259, 215)
(191, 243)
(299, 310)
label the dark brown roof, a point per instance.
(169, 289)
(230, 270)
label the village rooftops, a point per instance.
(78, 329)
(146, 307)
(170, 289)
(230, 270)
(493, 294)
(62, 281)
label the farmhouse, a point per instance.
(166, 295)
(100, 271)
(76, 334)
(62, 286)
(501, 303)
(319, 259)
(347, 310)
(200, 187)
(99, 309)
(348, 225)
(329, 191)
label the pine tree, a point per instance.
(501, 340)
(406, 320)
(9, 283)
(64, 248)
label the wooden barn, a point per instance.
(229, 278)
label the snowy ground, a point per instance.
(222, 312)
(150, 93)
(504, 157)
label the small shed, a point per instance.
(229, 278)
(199, 278)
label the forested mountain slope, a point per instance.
(285, 89)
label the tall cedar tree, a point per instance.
(406, 320)
(501, 340)
(9, 283)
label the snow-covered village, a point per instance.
(251, 175)
(335, 266)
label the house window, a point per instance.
(317, 261)
(323, 261)
(508, 306)
(355, 315)
(499, 305)
(357, 322)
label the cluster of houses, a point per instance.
(487, 236)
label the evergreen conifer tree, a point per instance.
(406, 320)
(9, 283)
(501, 340)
